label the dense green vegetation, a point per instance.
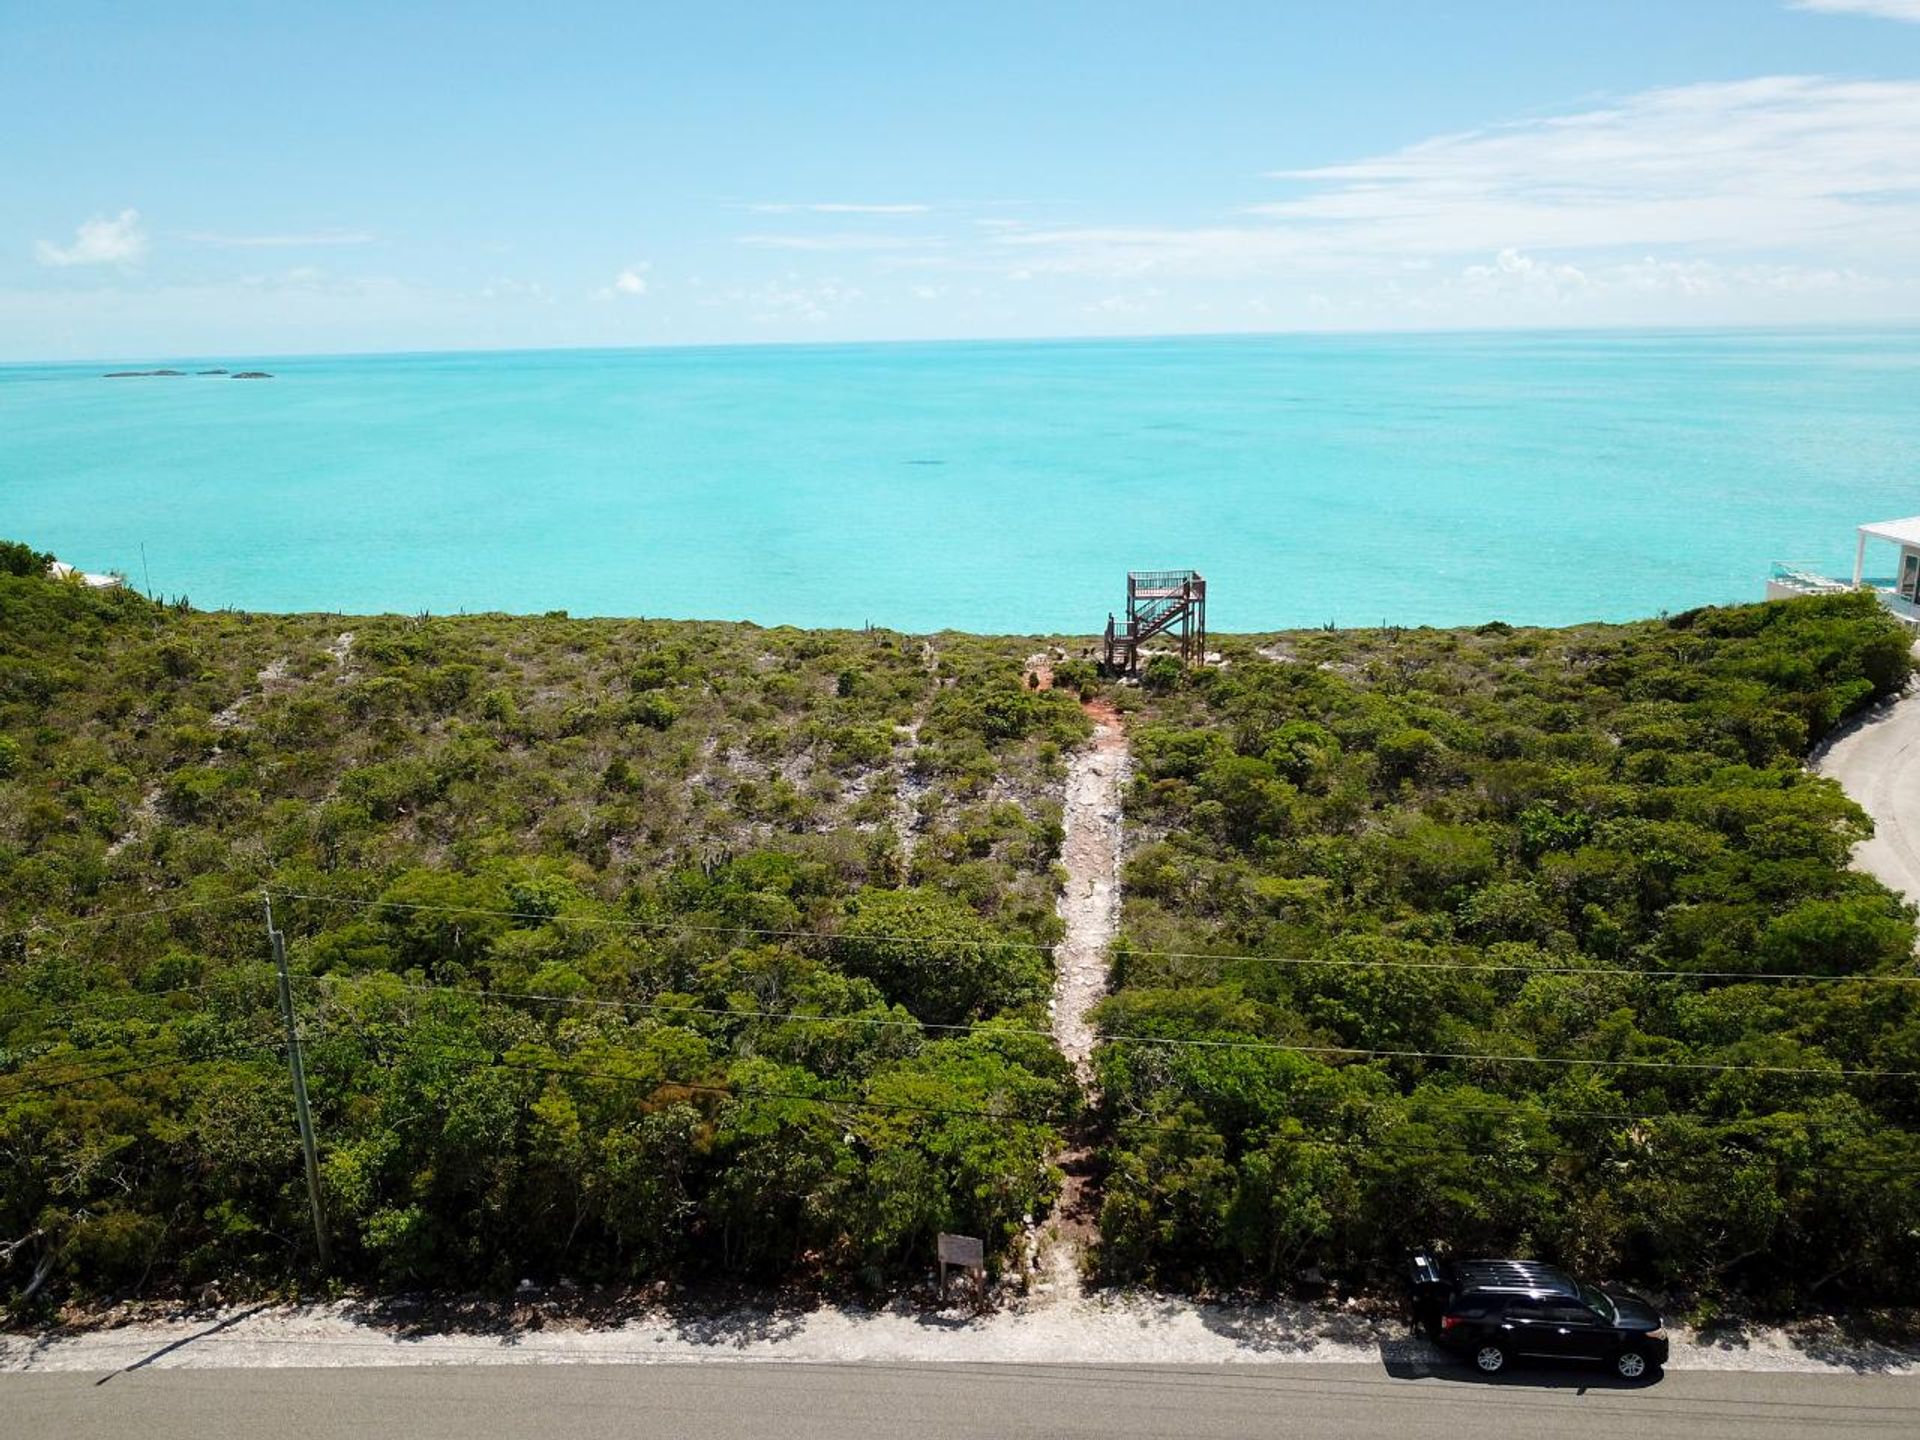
(1501, 844)
(629, 950)
(690, 841)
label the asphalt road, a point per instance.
(942, 1402)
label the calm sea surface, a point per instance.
(995, 487)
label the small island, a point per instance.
(147, 374)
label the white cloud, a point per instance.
(317, 239)
(1775, 162)
(835, 207)
(631, 282)
(313, 280)
(505, 287)
(1908, 10)
(1513, 272)
(1783, 165)
(1126, 304)
(1518, 288)
(792, 299)
(119, 241)
(845, 241)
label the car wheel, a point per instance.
(1631, 1365)
(1491, 1359)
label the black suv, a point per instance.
(1494, 1310)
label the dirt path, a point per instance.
(1877, 762)
(1090, 907)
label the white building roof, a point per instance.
(1902, 532)
(60, 570)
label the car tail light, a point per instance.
(1447, 1322)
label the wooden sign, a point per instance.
(967, 1254)
(967, 1251)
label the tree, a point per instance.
(19, 559)
(935, 956)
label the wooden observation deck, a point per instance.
(1159, 602)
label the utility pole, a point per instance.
(298, 1066)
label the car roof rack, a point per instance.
(1518, 1276)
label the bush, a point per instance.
(1163, 673)
(23, 560)
(1436, 846)
(937, 957)
(1075, 675)
(654, 711)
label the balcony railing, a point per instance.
(1796, 575)
(1805, 579)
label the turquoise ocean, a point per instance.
(1437, 479)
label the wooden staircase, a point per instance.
(1159, 602)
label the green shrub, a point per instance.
(936, 956)
(23, 560)
(1163, 673)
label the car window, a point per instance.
(1570, 1312)
(1599, 1303)
(1519, 1309)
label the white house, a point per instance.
(1898, 591)
(60, 570)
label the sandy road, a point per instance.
(947, 1402)
(1877, 762)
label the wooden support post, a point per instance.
(966, 1253)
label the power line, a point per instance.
(130, 997)
(1106, 1037)
(1362, 1052)
(1520, 1108)
(1120, 952)
(495, 1059)
(41, 928)
(489, 1057)
(218, 1052)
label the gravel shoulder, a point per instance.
(1096, 1328)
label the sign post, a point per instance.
(967, 1253)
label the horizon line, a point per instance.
(1135, 337)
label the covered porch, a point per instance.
(1898, 589)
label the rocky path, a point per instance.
(1089, 906)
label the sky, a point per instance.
(245, 178)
